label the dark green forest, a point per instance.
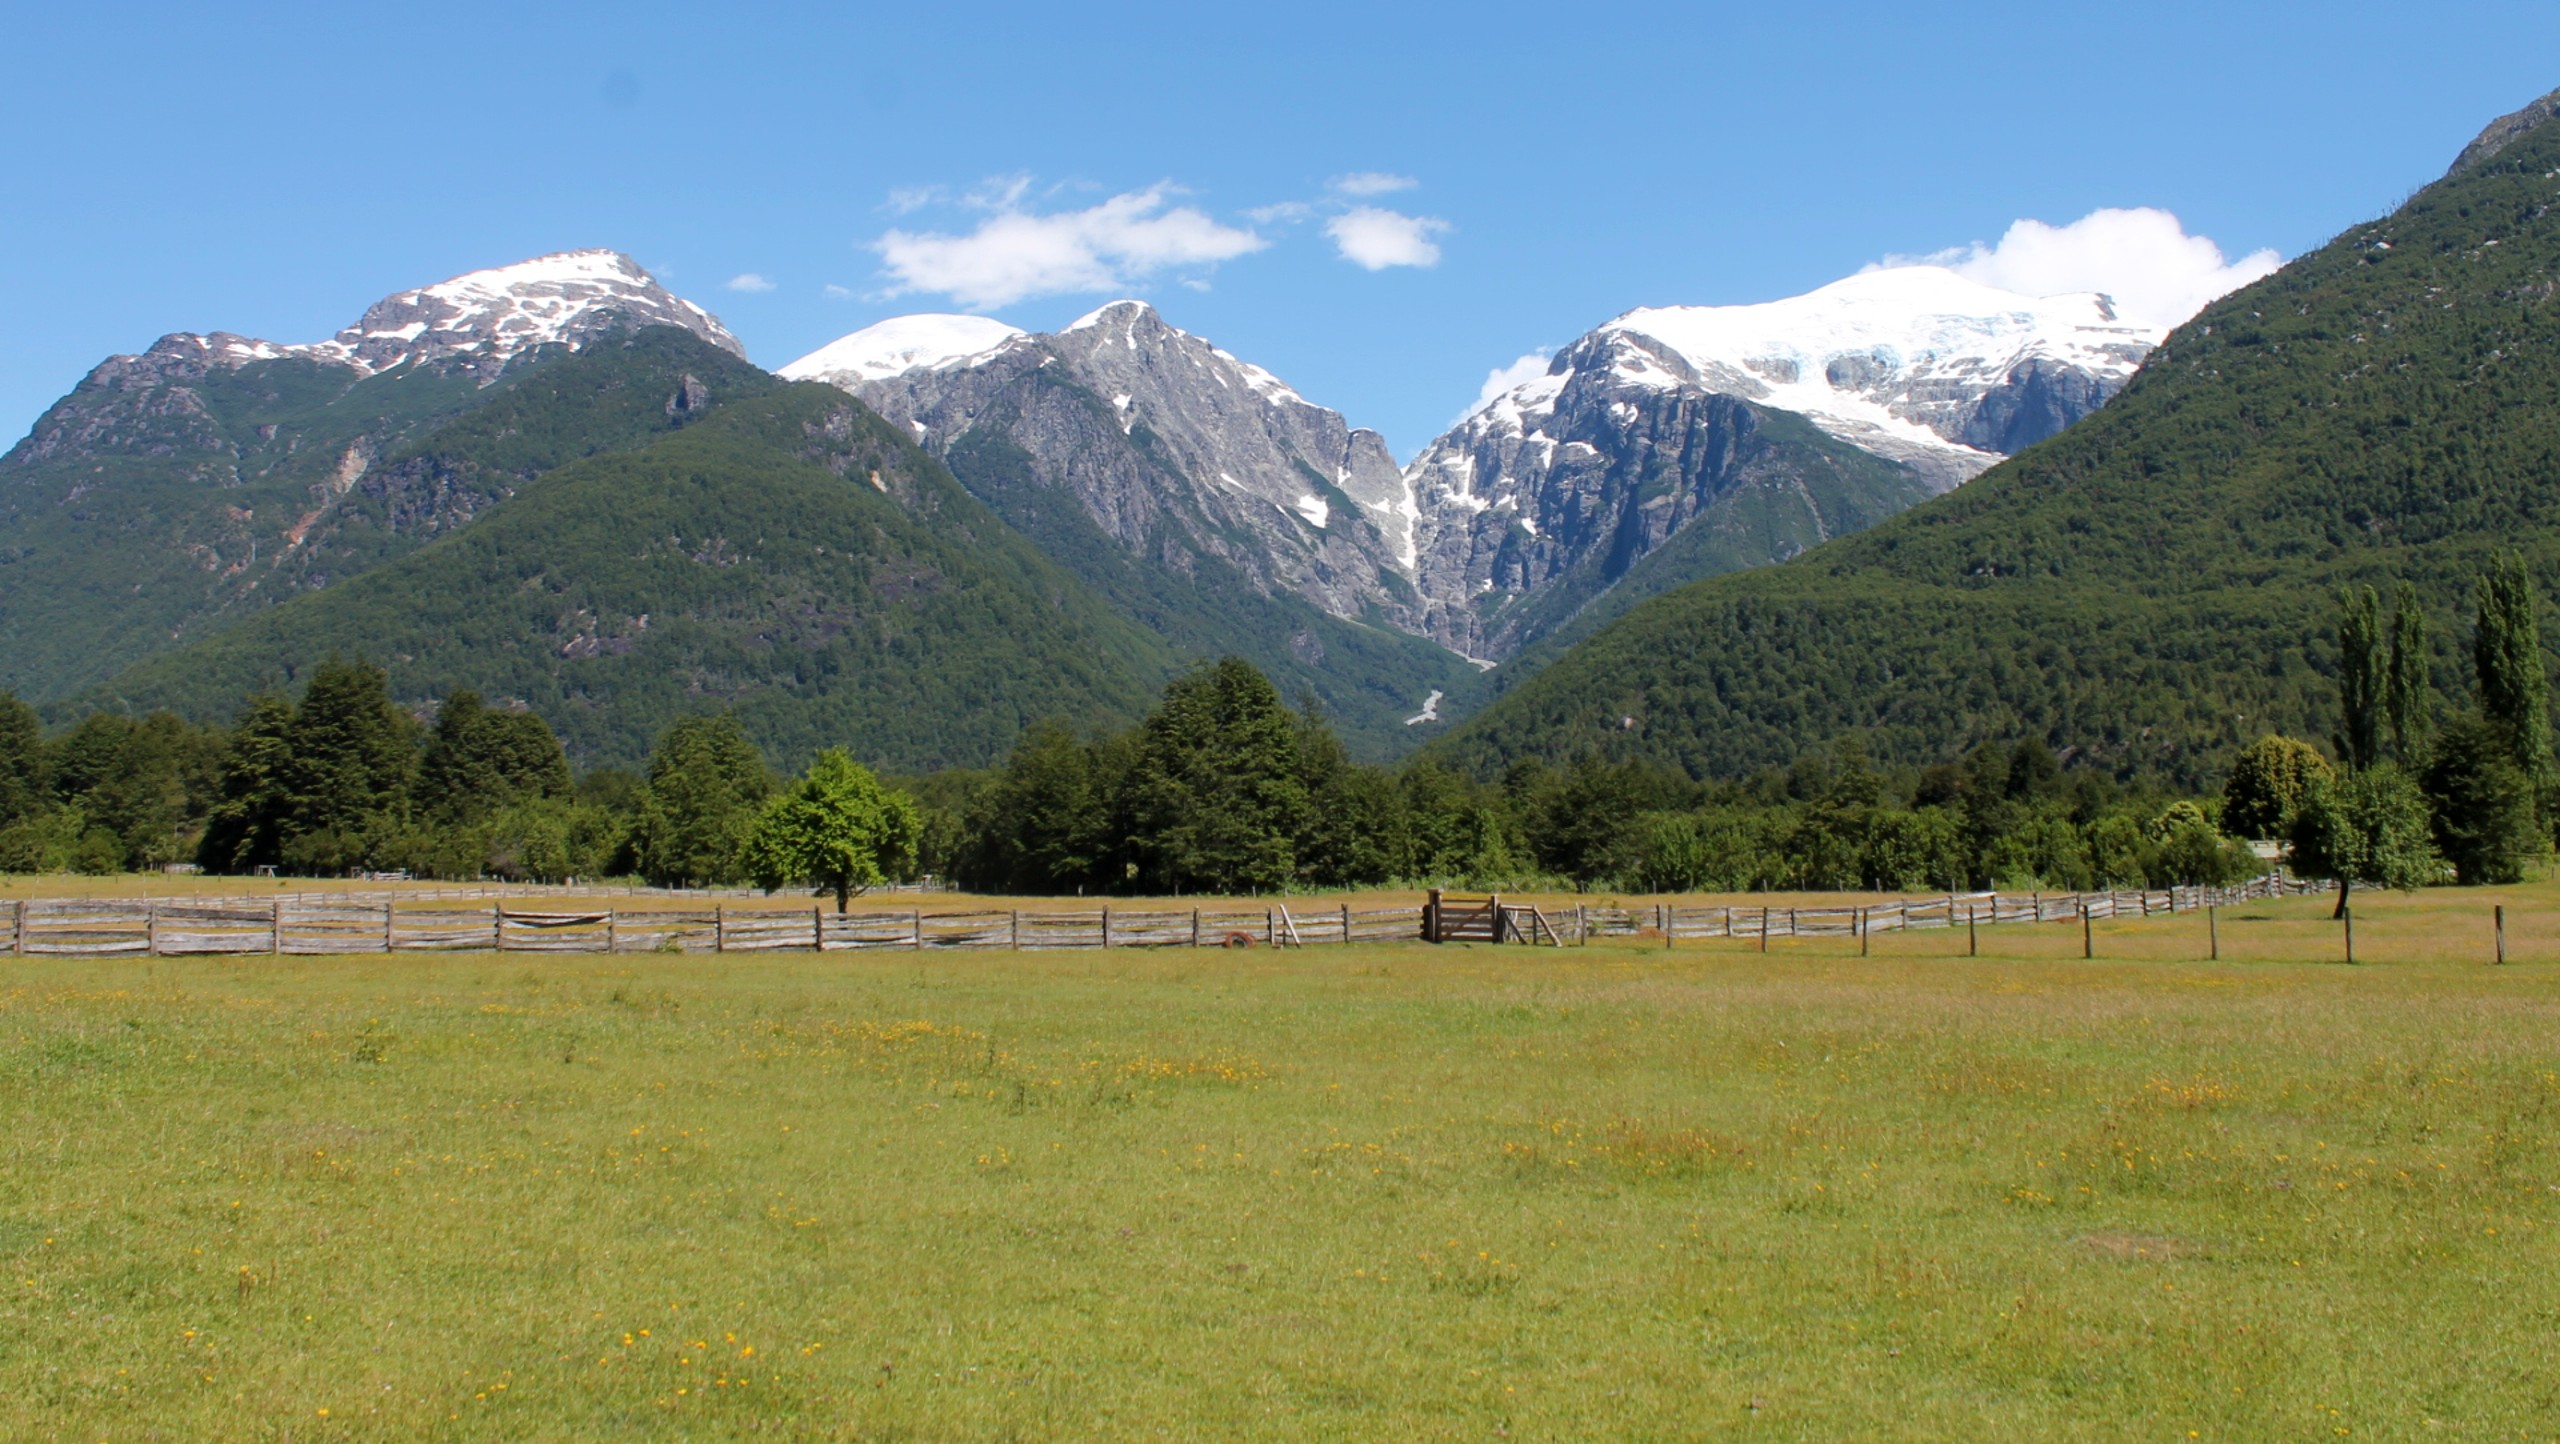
(1223, 787)
(789, 557)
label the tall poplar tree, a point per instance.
(2409, 691)
(2515, 691)
(2360, 678)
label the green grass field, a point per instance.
(1392, 1192)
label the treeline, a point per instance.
(344, 780)
(2411, 794)
(1224, 788)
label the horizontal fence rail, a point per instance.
(1952, 910)
(327, 923)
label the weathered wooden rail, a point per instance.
(337, 924)
(329, 924)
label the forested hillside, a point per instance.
(168, 495)
(789, 556)
(2157, 585)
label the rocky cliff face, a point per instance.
(1780, 425)
(1180, 452)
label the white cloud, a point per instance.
(839, 293)
(1502, 378)
(749, 281)
(1015, 254)
(1280, 211)
(1370, 183)
(1375, 239)
(2143, 257)
(913, 198)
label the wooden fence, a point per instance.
(326, 924)
(1954, 910)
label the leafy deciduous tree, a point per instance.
(837, 829)
(2367, 827)
(2268, 781)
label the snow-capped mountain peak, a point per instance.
(477, 322)
(1895, 361)
(900, 344)
(1128, 311)
(1575, 468)
(487, 317)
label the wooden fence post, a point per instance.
(2213, 930)
(1764, 927)
(1972, 935)
(2349, 916)
(390, 914)
(1270, 928)
(613, 930)
(1430, 918)
(2502, 934)
(2088, 943)
(1862, 932)
(1016, 916)
(151, 928)
(275, 934)
(1195, 927)
(1346, 922)
(1106, 927)
(719, 927)
(915, 930)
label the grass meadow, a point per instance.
(1379, 1192)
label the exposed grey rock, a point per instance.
(1178, 450)
(2502, 132)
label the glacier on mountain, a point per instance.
(900, 344)
(1632, 433)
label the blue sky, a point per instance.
(271, 171)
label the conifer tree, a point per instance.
(1043, 825)
(23, 783)
(349, 764)
(704, 781)
(253, 800)
(2484, 821)
(1214, 798)
(479, 762)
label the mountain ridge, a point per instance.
(2151, 588)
